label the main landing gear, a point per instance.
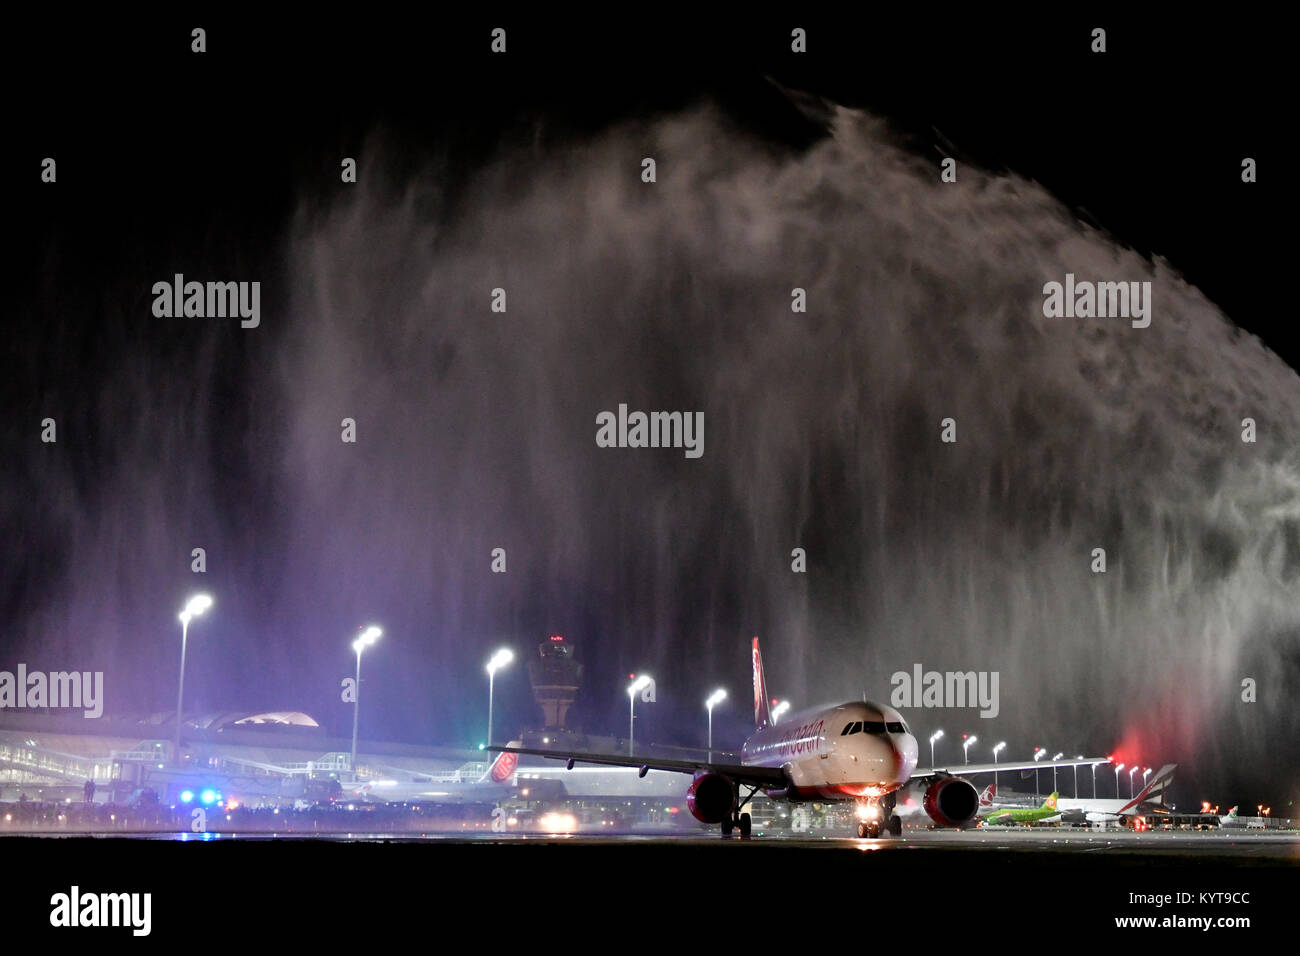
(739, 821)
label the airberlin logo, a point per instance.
(801, 739)
(504, 767)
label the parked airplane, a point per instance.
(1151, 799)
(492, 785)
(856, 751)
(1008, 816)
(1232, 820)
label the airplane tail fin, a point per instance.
(1155, 790)
(986, 798)
(503, 768)
(762, 706)
(1233, 813)
(1050, 804)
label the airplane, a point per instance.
(1232, 820)
(911, 807)
(1006, 816)
(1151, 799)
(492, 785)
(856, 751)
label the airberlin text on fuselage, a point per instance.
(800, 739)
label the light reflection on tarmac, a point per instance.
(1279, 845)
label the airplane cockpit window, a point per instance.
(896, 727)
(847, 727)
(857, 727)
(873, 726)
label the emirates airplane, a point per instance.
(856, 751)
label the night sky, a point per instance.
(476, 429)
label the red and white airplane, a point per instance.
(856, 751)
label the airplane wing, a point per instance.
(963, 769)
(751, 776)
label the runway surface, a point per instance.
(1044, 842)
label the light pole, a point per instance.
(632, 689)
(1118, 768)
(499, 660)
(368, 637)
(1076, 776)
(1145, 773)
(193, 608)
(933, 737)
(780, 709)
(1001, 746)
(965, 748)
(1057, 757)
(717, 697)
(1094, 780)
(1131, 770)
(1039, 754)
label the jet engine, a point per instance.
(952, 802)
(711, 798)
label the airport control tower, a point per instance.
(556, 676)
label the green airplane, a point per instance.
(1007, 816)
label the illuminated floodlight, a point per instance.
(717, 697)
(194, 607)
(499, 660)
(367, 638)
(638, 683)
(1000, 747)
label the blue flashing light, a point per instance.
(187, 796)
(209, 796)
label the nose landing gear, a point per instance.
(874, 826)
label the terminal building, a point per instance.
(283, 758)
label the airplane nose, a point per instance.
(904, 756)
(895, 759)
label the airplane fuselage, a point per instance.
(851, 751)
